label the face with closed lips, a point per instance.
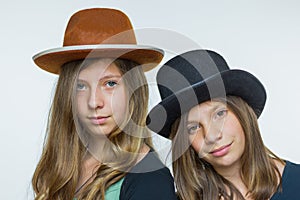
(216, 134)
(101, 97)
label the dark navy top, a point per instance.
(148, 180)
(290, 183)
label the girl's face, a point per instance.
(216, 134)
(101, 97)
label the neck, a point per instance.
(144, 151)
(101, 148)
(230, 171)
(89, 162)
(233, 174)
(89, 168)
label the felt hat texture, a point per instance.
(98, 33)
(195, 77)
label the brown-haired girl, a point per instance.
(210, 113)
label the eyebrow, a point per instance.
(110, 76)
(104, 77)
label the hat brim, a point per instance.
(234, 82)
(51, 60)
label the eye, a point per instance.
(220, 114)
(193, 128)
(111, 83)
(81, 86)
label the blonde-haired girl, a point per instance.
(97, 146)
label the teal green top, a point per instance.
(113, 192)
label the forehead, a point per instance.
(206, 107)
(99, 69)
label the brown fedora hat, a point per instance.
(97, 33)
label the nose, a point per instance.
(214, 132)
(96, 99)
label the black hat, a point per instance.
(197, 76)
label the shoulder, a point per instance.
(291, 172)
(290, 182)
(149, 179)
(291, 169)
(157, 178)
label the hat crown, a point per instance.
(188, 69)
(99, 26)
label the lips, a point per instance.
(221, 151)
(99, 120)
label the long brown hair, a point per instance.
(58, 170)
(196, 179)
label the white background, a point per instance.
(261, 37)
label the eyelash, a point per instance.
(220, 114)
(81, 85)
(107, 83)
(196, 127)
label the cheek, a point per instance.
(80, 105)
(242, 140)
(236, 131)
(196, 142)
(239, 133)
(119, 104)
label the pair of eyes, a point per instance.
(193, 128)
(107, 84)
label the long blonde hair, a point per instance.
(197, 179)
(57, 173)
